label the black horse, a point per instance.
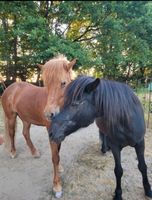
(118, 113)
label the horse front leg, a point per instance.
(118, 171)
(140, 148)
(57, 188)
(60, 167)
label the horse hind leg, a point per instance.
(26, 127)
(116, 151)
(10, 125)
(104, 142)
(103, 136)
(143, 168)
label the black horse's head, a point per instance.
(79, 110)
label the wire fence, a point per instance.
(144, 92)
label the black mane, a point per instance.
(76, 89)
(116, 101)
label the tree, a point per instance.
(28, 38)
(110, 36)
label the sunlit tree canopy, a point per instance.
(111, 39)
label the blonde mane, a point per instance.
(54, 69)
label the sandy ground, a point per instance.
(88, 174)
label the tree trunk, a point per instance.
(15, 59)
(129, 70)
(7, 47)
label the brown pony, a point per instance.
(34, 105)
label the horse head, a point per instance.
(78, 113)
(56, 75)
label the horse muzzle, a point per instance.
(56, 139)
(49, 115)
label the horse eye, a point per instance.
(75, 104)
(63, 84)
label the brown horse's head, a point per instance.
(56, 75)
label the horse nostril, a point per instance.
(51, 115)
(50, 136)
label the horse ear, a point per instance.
(92, 86)
(71, 64)
(40, 66)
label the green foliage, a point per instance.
(114, 37)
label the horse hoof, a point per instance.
(117, 198)
(13, 155)
(36, 154)
(149, 195)
(58, 194)
(103, 151)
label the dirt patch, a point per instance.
(88, 174)
(92, 178)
